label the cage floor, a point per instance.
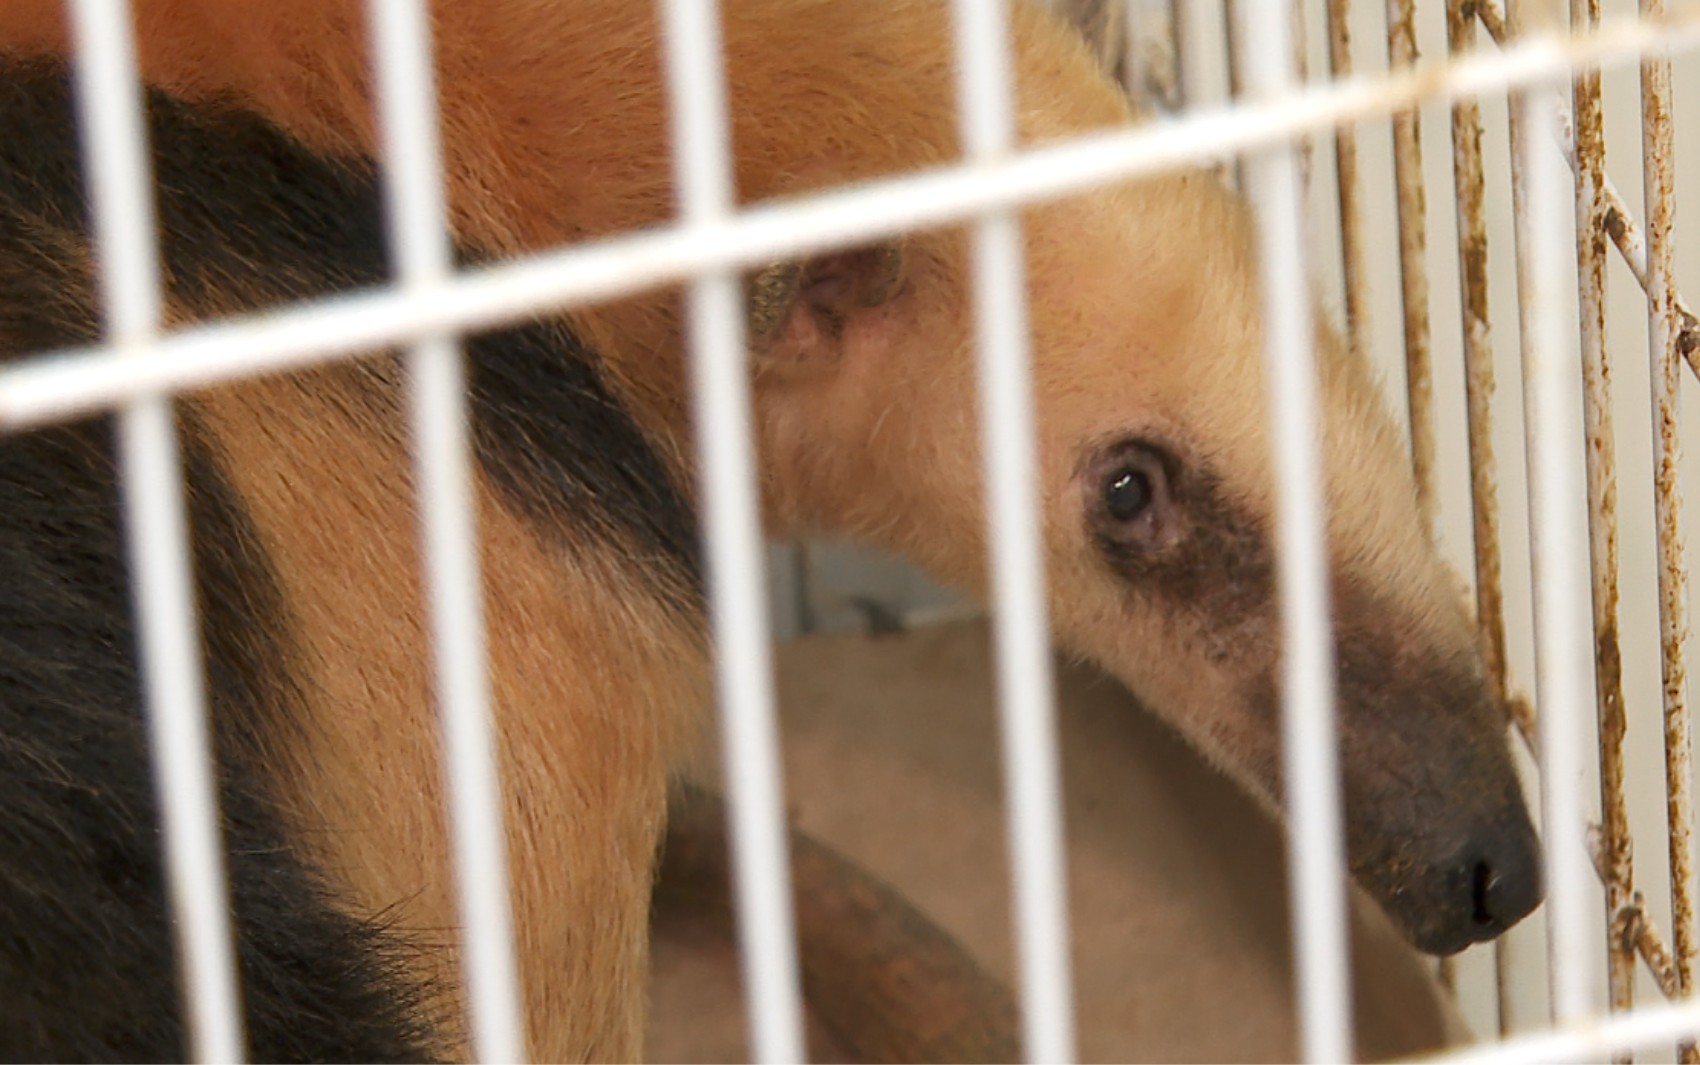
(1177, 880)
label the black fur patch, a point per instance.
(566, 454)
(249, 220)
(87, 969)
(86, 960)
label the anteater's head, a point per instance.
(1155, 471)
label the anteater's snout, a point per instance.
(1437, 826)
(1490, 885)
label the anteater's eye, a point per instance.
(1127, 493)
(1130, 501)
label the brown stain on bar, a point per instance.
(1593, 219)
(1347, 185)
(1413, 273)
(1658, 152)
(1479, 375)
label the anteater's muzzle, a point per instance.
(1487, 885)
(1436, 825)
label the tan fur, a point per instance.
(1144, 318)
(587, 701)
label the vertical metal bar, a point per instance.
(1591, 211)
(1141, 70)
(1504, 979)
(151, 478)
(1478, 349)
(1478, 390)
(1195, 78)
(701, 132)
(1413, 266)
(1232, 48)
(1297, 60)
(1175, 19)
(1173, 15)
(1299, 30)
(1033, 793)
(1348, 186)
(1620, 222)
(1658, 177)
(420, 252)
(1552, 408)
(1316, 851)
(1151, 51)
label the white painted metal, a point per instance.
(1026, 690)
(167, 626)
(1316, 850)
(1552, 414)
(136, 369)
(420, 250)
(1589, 1039)
(755, 790)
(62, 384)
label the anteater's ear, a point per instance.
(798, 312)
(1103, 24)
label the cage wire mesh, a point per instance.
(1440, 130)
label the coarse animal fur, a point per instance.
(1146, 341)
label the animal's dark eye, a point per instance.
(1127, 494)
(1130, 500)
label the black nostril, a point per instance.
(1485, 890)
(1503, 887)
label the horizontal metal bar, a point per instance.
(81, 380)
(1586, 1039)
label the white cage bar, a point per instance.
(139, 368)
(75, 381)
(743, 665)
(1316, 848)
(1032, 792)
(1551, 403)
(126, 235)
(419, 249)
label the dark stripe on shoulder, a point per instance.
(85, 944)
(560, 446)
(86, 953)
(251, 219)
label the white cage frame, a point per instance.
(142, 365)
